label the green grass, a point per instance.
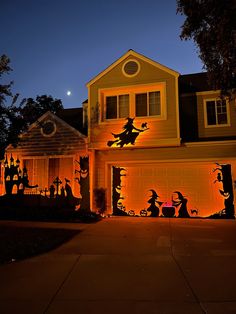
(17, 243)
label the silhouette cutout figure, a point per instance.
(129, 135)
(62, 192)
(83, 181)
(224, 176)
(52, 191)
(179, 200)
(14, 176)
(68, 189)
(153, 208)
(118, 208)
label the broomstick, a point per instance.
(110, 143)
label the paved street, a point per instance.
(128, 265)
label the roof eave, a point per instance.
(137, 55)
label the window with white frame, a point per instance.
(148, 104)
(117, 106)
(216, 112)
(134, 101)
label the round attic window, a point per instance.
(48, 128)
(131, 68)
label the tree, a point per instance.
(10, 120)
(31, 109)
(5, 90)
(212, 26)
(14, 118)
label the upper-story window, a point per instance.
(216, 112)
(117, 106)
(148, 104)
(133, 101)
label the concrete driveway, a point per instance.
(128, 265)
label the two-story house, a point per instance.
(159, 143)
(153, 150)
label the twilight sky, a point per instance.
(60, 45)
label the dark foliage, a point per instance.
(15, 119)
(31, 109)
(212, 26)
(9, 117)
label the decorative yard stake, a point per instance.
(57, 182)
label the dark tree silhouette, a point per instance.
(14, 118)
(212, 25)
(116, 191)
(10, 120)
(31, 109)
(224, 176)
(83, 181)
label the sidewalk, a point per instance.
(129, 265)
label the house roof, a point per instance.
(132, 53)
(49, 114)
(193, 83)
(74, 117)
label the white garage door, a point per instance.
(194, 181)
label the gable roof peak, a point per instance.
(53, 116)
(133, 53)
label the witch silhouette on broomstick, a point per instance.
(129, 135)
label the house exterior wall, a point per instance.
(158, 160)
(48, 157)
(64, 142)
(160, 130)
(214, 131)
(188, 169)
(43, 170)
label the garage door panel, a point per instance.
(194, 181)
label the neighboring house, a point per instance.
(50, 149)
(156, 140)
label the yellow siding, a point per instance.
(127, 156)
(214, 152)
(184, 157)
(215, 131)
(159, 129)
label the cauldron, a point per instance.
(168, 211)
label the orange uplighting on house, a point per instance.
(196, 183)
(155, 143)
